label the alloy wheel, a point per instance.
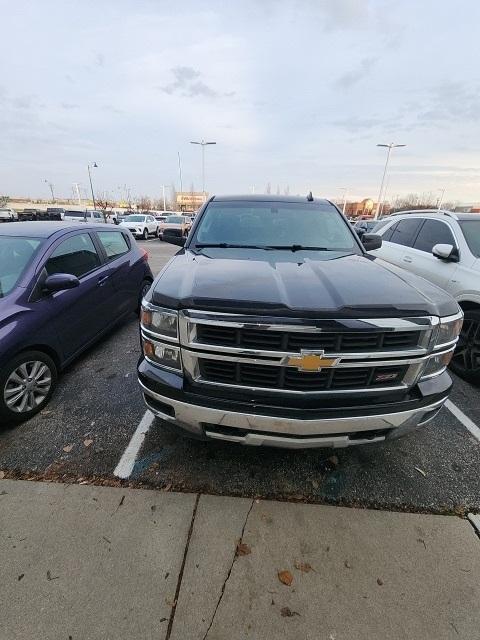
(467, 353)
(27, 386)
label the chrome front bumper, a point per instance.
(256, 429)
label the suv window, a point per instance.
(97, 215)
(389, 232)
(76, 255)
(114, 243)
(433, 232)
(405, 231)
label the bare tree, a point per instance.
(4, 201)
(104, 205)
(173, 196)
(144, 203)
(268, 188)
(287, 190)
(278, 189)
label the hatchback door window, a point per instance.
(406, 231)
(76, 255)
(433, 232)
(114, 243)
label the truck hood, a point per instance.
(296, 284)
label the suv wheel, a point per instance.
(26, 384)
(145, 234)
(466, 359)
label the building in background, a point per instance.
(190, 200)
(365, 208)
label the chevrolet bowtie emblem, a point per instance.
(311, 361)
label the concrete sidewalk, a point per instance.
(96, 563)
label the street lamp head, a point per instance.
(95, 164)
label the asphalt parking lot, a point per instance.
(83, 433)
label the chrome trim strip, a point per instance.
(280, 363)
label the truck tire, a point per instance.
(466, 359)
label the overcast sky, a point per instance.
(295, 93)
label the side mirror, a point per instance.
(170, 238)
(371, 241)
(445, 252)
(60, 282)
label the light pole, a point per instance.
(164, 199)
(94, 165)
(51, 189)
(344, 189)
(203, 144)
(440, 200)
(180, 171)
(389, 146)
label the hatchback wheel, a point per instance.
(27, 382)
(144, 289)
(145, 234)
(466, 359)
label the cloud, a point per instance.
(99, 59)
(352, 77)
(68, 105)
(356, 123)
(187, 83)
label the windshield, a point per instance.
(134, 219)
(471, 231)
(15, 254)
(174, 219)
(274, 225)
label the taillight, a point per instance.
(144, 255)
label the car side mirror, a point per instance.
(445, 252)
(170, 238)
(371, 241)
(60, 282)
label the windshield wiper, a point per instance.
(226, 245)
(300, 247)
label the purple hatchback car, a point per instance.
(62, 286)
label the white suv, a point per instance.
(443, 247)
(141, 225)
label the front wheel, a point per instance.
(466, 359)
(145, 234)
(157, 232)
(26, 384)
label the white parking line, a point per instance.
(465, 420)
(125, 467)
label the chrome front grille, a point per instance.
(330, 342)
(271, 377)
(264, 353)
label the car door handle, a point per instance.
(102, 280)
(407, 259)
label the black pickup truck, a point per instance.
(274, 326)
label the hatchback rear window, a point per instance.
(15, 255)
(114, 243)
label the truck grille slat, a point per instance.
(254, 375)
(343, 342)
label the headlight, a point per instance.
(165, 355)
(437, 364)
(449, 330)
(162, 322)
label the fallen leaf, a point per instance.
(333, 460)
(379, 582)
(2, 475)
(288, 613)
(46, 412)
(347, 564)
(88, 442)
(420, 471)
(304, 566)
(20, 576)
(243, 549)
(315, 484)
(68, 448)
(285, 577)
(168, 487)
(50, 577)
